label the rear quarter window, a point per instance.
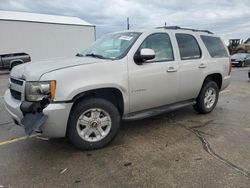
(214, 46)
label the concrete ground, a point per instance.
(179, 149)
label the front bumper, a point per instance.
(58, 114)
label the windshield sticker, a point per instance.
(125, 38)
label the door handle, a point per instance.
(172, 69)
(202, 65)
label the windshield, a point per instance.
(112, 46)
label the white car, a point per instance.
(127, 75)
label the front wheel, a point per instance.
(208, 98)
(93, 123)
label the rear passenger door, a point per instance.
(191, 66)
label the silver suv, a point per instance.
(126, 75)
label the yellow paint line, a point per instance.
(17, 139)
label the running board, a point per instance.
(156, 111)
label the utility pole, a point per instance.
(165, 24)
(128, 25)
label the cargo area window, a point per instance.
(188, 46)
(214, 46)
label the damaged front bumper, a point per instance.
(33, 116)
(50, 121)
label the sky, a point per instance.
(227, 18)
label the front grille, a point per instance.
(16, 88)
(16, 94)
(15, 81)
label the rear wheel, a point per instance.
(93, 123)
(208, 98)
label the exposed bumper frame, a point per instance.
(58, 114)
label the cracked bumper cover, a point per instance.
(52, 120)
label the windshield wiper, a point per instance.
(79, 55)
(95, 55)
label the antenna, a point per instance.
(128, 25)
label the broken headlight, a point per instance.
(36, 91)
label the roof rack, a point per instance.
(183, 28)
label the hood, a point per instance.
(33, 71)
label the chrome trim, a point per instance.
(18, 87)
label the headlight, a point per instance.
(36, 91)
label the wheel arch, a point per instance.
(112, 94)
(18, 61)
(216, 77)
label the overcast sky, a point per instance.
(227, 18)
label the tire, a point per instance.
(87, 121)
(242, 64)
(201, 106)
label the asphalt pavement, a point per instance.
(178, 149)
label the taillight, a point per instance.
(230, 66)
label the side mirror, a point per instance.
(143, 55)
(147, 54)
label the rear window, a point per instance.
(214, 46)
(188, 46)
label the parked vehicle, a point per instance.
(240, 59)
(249, 74)
(237, 46)
(127, 75)
(8, 61)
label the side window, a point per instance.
(161, 44)
(214, 46)
(188, 46)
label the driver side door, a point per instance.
(154, 83)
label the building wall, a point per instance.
(44, 40)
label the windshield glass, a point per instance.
(112, 46)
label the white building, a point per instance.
(43, 36)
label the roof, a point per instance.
(42, 18)
(183, 28)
